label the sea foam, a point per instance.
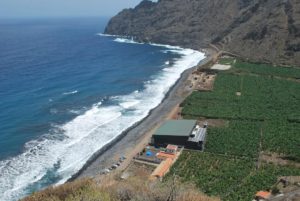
(71, 92)
(126, 40)
(63, 152)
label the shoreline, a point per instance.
(125, 143)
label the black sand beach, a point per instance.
(105, 157)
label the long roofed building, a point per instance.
(180, 132)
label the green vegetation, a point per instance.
(260, 98)
(272, 102)
(133, 189)
(265, 178)
(221, 103)
(266, 69)
(282, 137)
(241, 138)
(231, 178)
(239, 66)
(213, 174)
(262, 104)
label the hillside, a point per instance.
(261, 30)
(135, 189)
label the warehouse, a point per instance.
(180, 132)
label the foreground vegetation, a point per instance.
(135, 189)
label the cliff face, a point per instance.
(261, 30)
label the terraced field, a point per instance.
(282, 137)
(231, 178)
(250, 100)
(240, 138)
(212, 173)
(245, 97)
(264, 179)
(262, 104)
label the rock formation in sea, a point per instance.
(260, 30)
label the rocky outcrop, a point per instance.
(261, 30)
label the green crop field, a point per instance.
(239, 66)
(262, 104)
(231, 178)
(264, 178)
(240, 138)
(275, 102)
(266, 69)
(282, 137)
(213, 174)
(261, 98)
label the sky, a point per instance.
(62, 8)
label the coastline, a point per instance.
(125, 143)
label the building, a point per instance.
(162, 169)
(180, 132)
(262, 196)
(171, 149)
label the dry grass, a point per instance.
(135, 189)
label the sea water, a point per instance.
(66, 90)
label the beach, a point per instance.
(134, 138)
(78, 113)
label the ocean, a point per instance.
(66, 90)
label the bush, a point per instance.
(134, 189)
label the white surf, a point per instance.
(66, 150)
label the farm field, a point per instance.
(239, 66)
(273, 102)
(246, 97)
(282, 137)
(213, 174)
(262, 105)
(264, 178)
(240, 138)
(233, 179)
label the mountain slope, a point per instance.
(261, 30)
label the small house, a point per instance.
(262, 196)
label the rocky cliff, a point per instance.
(261, 30)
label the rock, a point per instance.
(261, 30)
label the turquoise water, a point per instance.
(66, 91)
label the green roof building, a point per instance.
(179, 132)
(182, 128)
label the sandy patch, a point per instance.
(220, 67)
(238, 93)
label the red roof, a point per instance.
(163, 168)
(172, 147)
(263, 194)
(164, 155)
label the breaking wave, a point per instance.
(125, 40)
(71, 92)
(63, 151)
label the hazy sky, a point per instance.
(57, 8)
